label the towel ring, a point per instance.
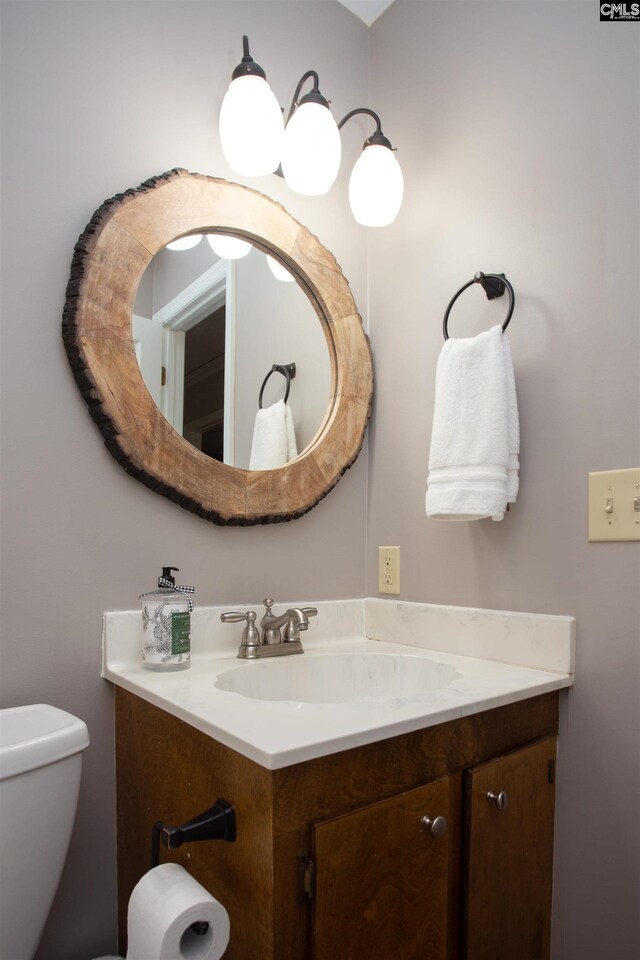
(494, 285)
(288, 370)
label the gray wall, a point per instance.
(517, 129)
(97, 97)
(276, 323)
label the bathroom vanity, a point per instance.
(416, 827)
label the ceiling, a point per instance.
(367, 10)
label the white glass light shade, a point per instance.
(251, 127)
(185, 243)
(228, 248)
(279, 271)
(311, 150)
(376, 187)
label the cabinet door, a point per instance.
(381, 880)
(509, 855)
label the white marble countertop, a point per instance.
(515, 657)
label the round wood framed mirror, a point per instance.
(109, 260)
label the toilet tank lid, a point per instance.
(38, 734)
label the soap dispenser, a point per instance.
(166, 624)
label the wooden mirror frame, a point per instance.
(109, 260)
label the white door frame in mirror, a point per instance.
(208, 292)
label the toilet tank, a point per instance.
(40, 766)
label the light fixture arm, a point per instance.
(376, 139)
(314, 96)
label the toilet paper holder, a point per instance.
(216, 823)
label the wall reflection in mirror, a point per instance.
(212, 316)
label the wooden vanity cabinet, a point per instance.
(334, 859)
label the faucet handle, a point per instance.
(310, 611)
(233, 616)
(250, 635)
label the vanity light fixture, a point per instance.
(185, 243)
(376, 185)
(309, 146)
(251, 124)
(228, 248)
(311, 149)
(279, 272)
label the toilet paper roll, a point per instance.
(162, 908)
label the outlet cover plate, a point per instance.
(389, 570)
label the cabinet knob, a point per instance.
(501, 799)
(436, 825)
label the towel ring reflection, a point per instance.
(288, 371)
(494, 285)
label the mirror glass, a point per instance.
(208, 330)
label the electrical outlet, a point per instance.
(388, 569)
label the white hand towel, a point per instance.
(473, 464)
(274, 439)
(513, 481)
(292, 446)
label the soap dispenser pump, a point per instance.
(166, 624)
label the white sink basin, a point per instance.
(338, 678)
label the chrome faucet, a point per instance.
(293, 620)
(271, 643)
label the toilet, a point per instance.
(40, 766)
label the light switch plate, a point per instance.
(614, 505)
